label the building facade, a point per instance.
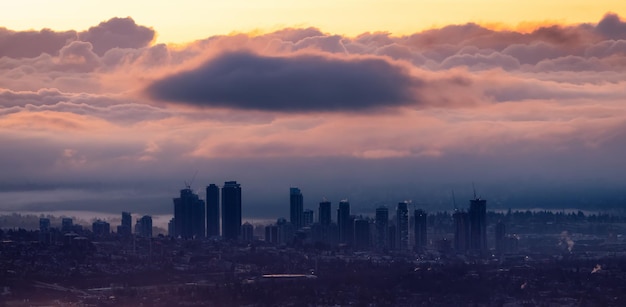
(478, 225)
(402, 226)
(189, 215)
(420, 229)
(382, 228)
(231, 210)
(344, 222)
(295, 207)
(212, 211)
(324, 213)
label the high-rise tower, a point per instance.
(231, 210)
(420, 228)
(127, 224)
(145, 226)
(189, 215)
(295, 207)
(478, 224)
(344, 222)
(324, 214)
(382, 227)
(307, 218)
(402, 224)
(212, 210)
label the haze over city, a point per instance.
(114, 108)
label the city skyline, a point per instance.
(104, 117)
(327, 153)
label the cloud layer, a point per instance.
(300, 83)
(106, 110)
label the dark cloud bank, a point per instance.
(299, 83)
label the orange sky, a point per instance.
(186, 20)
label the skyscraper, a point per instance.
(67, 224)
(100, 228)
(44, 224)
(212, 211)
(125, 228)
(343, 221)
(271, 234)
(402, 226)
(247, 232)
(382, 227)
(478, 224)
(307, 217)
(295, 207)
(145, 226)
(286, 231)
(420, 228)
(189, 215)
(44, 230)
(324, 215)
(171, 227)
(231, 210)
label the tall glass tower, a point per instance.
(382, 225)
(231, 210)
(295, 207)
(212, 210)
(402, 224)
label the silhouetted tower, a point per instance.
(44, 224)
(461, 231)
(171, 228)
(286, 231)
(343, 221)
(212, 210)
(271, 234)
(101, 228)
(420, 228)
(44, 230)
(307, 217)
(126, 226)
(402, 226)
(247, 232)
(295, 207)
(382, 228)
(189, 215)
(145, 226)
(231, 210)
(478, 224)
(324, 215)
(500, 237)
(67, 224)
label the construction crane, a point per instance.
(188, 184)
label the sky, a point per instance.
(112, 106)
